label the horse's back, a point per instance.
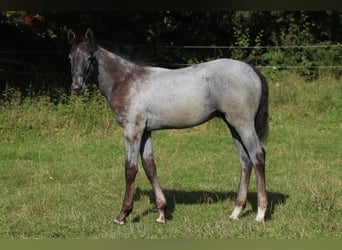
(232, 85)
(190, 95)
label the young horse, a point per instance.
(144, 99)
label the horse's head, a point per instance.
(82, 59)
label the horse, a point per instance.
(144, 99)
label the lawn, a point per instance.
(62, 171)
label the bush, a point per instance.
(42, 116)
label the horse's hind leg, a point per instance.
(150, 170)
(250, 142)
(256, 154)
(260, 175)
(246, 169)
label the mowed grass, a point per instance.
(62, 171)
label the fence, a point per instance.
(335, 63)
(9, 65)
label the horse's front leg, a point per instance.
(151, 173)
(132, 140)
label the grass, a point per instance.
(62, 174)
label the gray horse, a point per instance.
(144, 99)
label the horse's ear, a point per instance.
(71, 36)
(89, 36)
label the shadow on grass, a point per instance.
(175, 197)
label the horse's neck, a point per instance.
(112, 70)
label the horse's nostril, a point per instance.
(77, 87)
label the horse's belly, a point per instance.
(179, 116)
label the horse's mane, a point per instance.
(109, 46)
(122, 51)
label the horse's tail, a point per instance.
(261, 119)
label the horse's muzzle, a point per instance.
(78, 85)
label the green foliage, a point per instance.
(39, 116)
(298, 32)
(35, 49)
(289, 36)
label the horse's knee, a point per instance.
(131, 169)
(149, 167)
(261, 156)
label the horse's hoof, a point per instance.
(161, 220)
(119, 222)
(236, 212)
(260, 220)
(232, 218)
(261, 215)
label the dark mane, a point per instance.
(80, 39)
(124, 51)
(109, 46)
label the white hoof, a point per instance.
(233, 217)
(235, 214)
(119, 222)
(259, 220)
(261, 215)
(161, 219)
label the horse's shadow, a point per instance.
(175, 197)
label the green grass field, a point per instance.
(62, 171)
